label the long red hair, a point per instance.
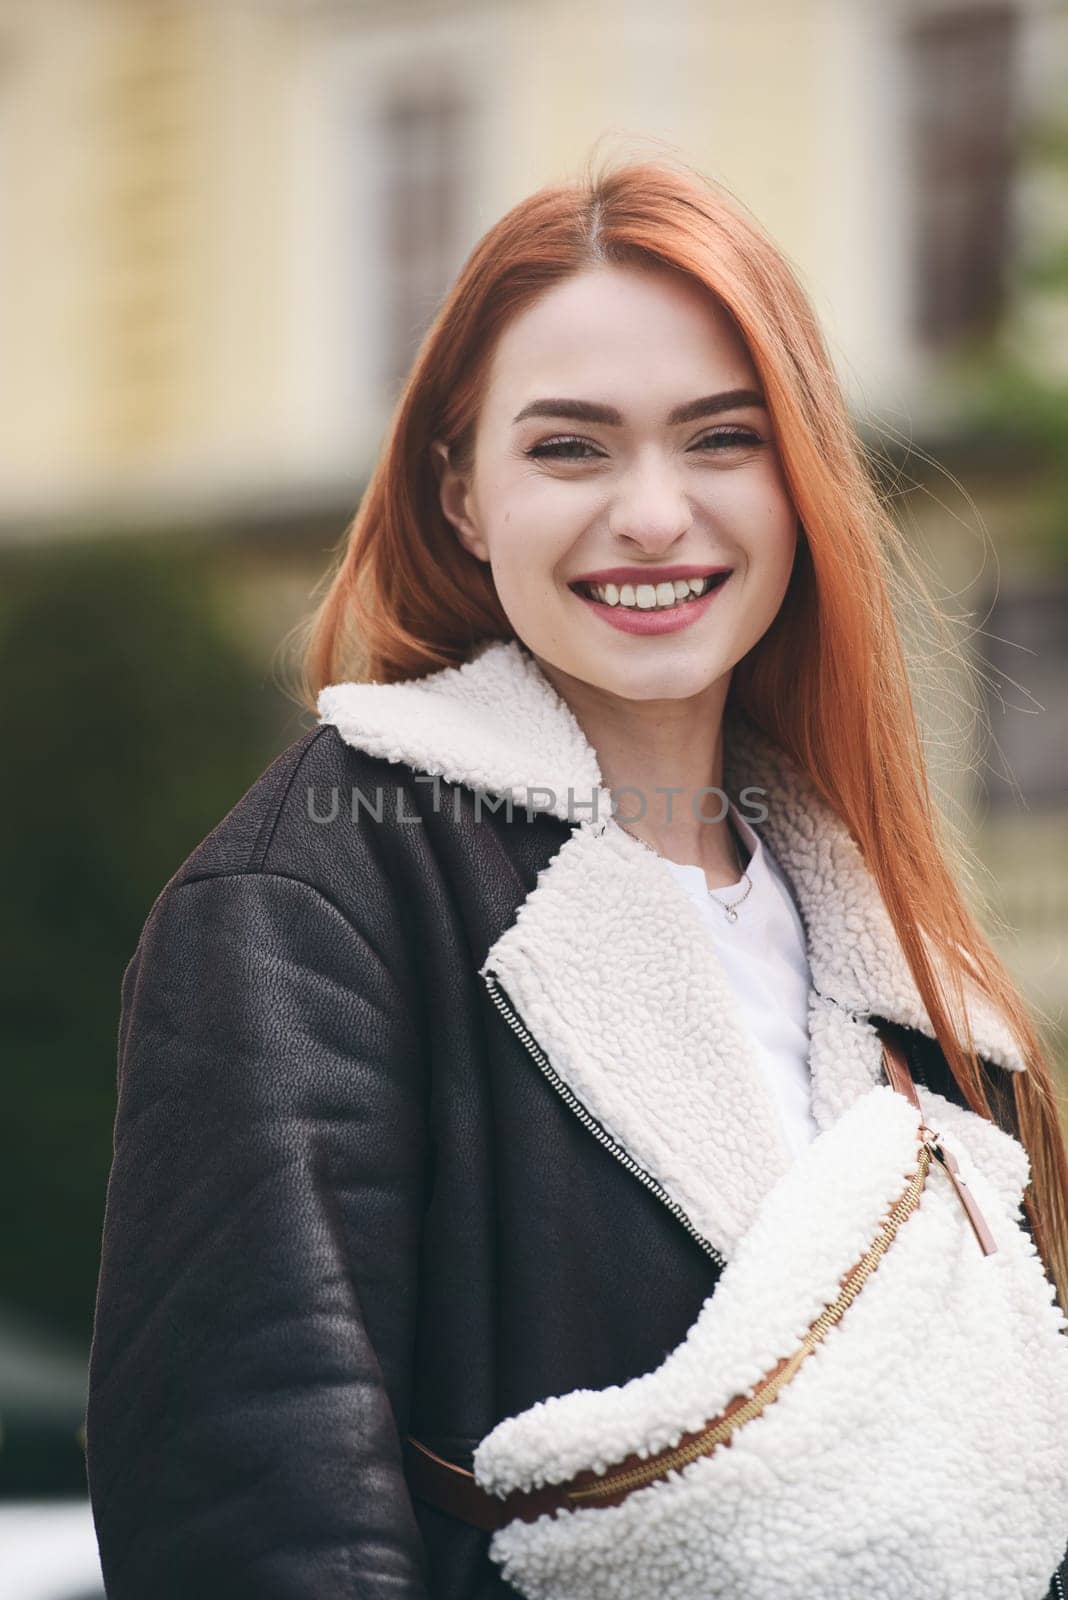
(828, 682)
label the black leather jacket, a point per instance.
(346, 1205)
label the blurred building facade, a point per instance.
(226, 223)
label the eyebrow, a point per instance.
(592, 411)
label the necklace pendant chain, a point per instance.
(731, 907)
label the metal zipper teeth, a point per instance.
(768, 1391)
(575, 1105)
(1058, 1585)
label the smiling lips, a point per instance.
(664, 606)
(647, 595)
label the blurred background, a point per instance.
(224, 226)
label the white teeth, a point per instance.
(649, 596)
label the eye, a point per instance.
(567, 447)
(729, 436)
(559, 449)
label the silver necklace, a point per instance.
(730, 907)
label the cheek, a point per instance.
(528, 534)
(763, 519)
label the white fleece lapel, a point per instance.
(611, 970)
(494, 723)
(607, 963)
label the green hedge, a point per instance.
(132, 719)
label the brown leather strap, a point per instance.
(456, 1492)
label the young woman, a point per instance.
(453, 1105)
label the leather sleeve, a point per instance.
(249, 1375)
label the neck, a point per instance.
(661, 759)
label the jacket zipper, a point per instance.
(719, 1430)
(574, 1104)
(1058, 1585)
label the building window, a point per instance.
(961, 76)
(423, 130)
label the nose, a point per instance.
(650, 509)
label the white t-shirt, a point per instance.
(765, 958)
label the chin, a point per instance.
(682, 677)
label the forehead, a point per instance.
(619, 332)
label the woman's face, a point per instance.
(622, 439)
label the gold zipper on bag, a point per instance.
(588, 1488)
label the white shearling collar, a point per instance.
(607, 964)
(494, 723)
(497, 724)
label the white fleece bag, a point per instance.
(918, 1449)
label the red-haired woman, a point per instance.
(571, 1130)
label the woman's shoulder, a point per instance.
(309, 817)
